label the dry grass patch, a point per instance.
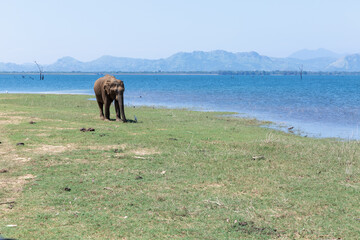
(10, 185)
(8, 155)
(42, 135)
(14, 118)
(205, 186)
(8, 119)
(12, 188)
(122, 150)
(15, 182)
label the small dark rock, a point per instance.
(0, 142)
(32, 122)
(138, 177)
(3, 171)
(20, 144)
(67, 189)
(290, 128)
(87, 130)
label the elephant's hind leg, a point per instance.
(101, 110)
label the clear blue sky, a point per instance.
(45, 30)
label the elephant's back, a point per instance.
(98, 86)
(98, 83)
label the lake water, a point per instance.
(317, 106)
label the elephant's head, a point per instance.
(115, 88)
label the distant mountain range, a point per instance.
(219, 60)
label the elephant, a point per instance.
(108, 89)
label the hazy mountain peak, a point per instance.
(65, 64)
(347, 63)
(253, 53)
(67, 59)
(306, 54)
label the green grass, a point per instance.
(175, 174)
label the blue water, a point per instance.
(318, 106)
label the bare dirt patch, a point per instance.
(60, 128)
(108, 147)
(144, 151)
(51, 149)
(8, 155)
(22, 159)
(139, 133)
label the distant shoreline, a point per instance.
(212, 73)
(104, 73)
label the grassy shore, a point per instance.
(175, 174)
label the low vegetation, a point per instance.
(172, 174)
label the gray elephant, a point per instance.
(108, 89)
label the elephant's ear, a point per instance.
(107, 86)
